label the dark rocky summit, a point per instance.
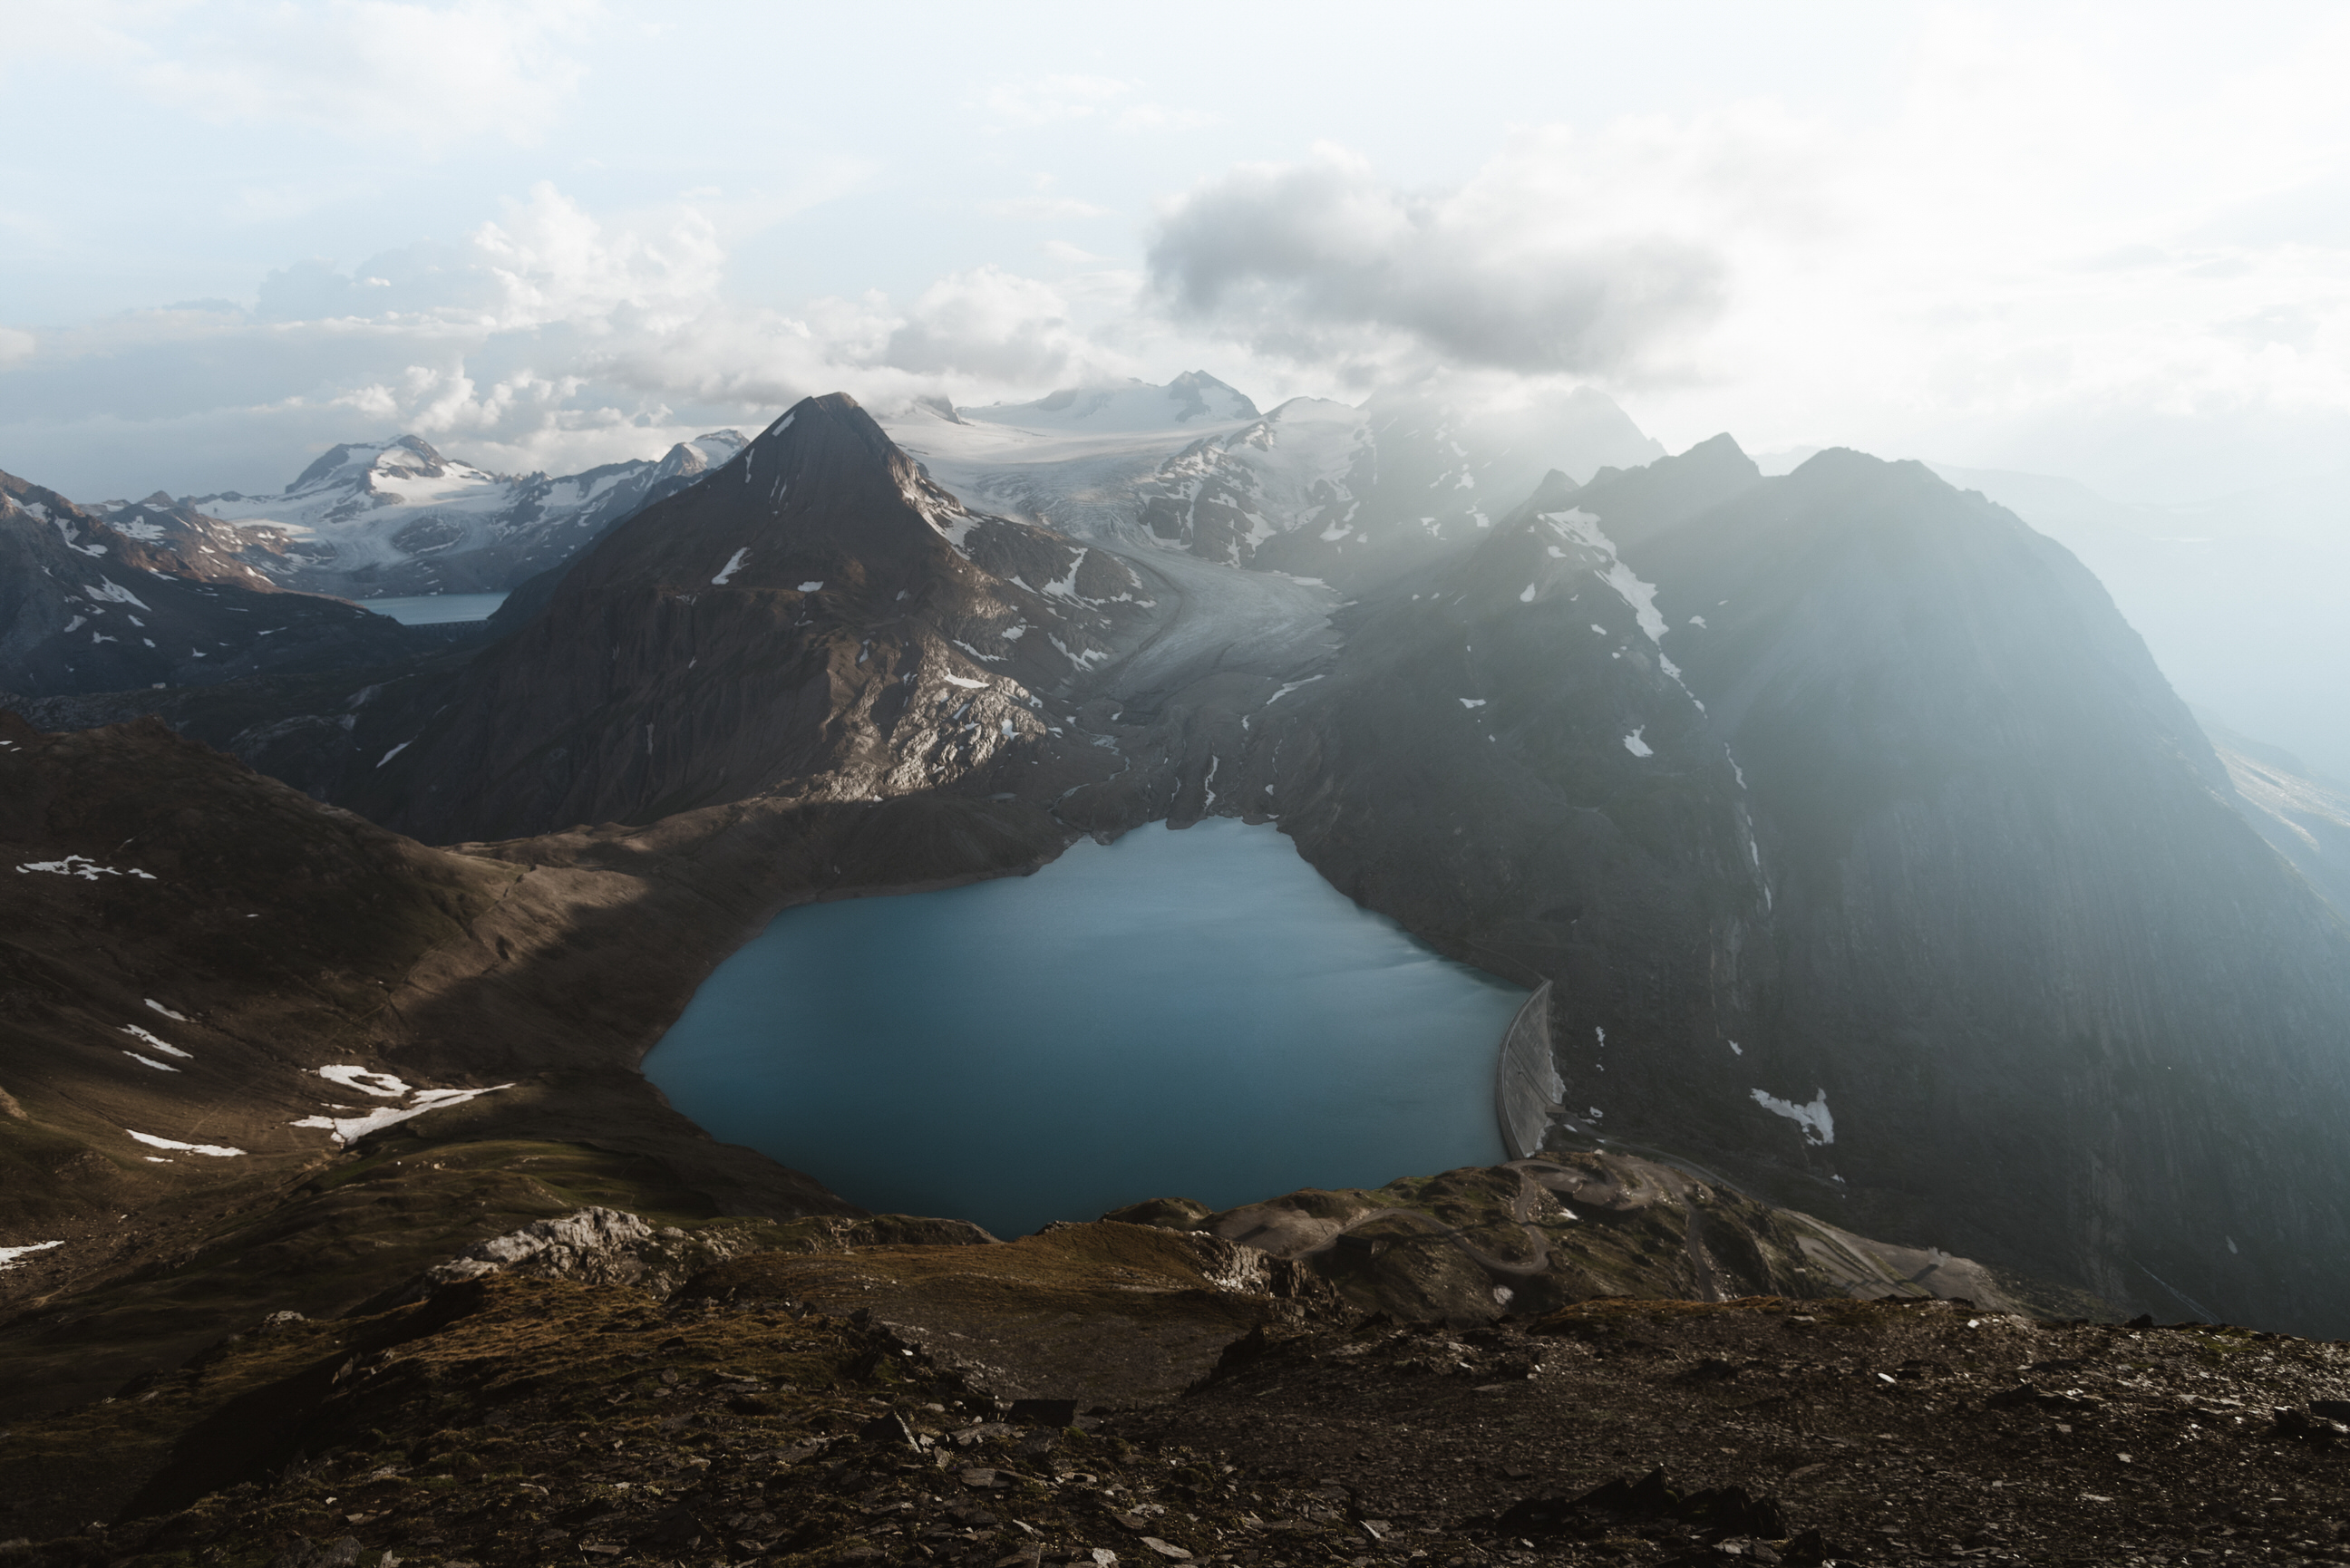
(771, 629)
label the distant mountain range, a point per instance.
(378, 519)
(1870, 857)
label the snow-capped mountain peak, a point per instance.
(374, 518)
(392, 466)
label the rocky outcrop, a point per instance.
(606, 1246)
(597, 1246)
(1470, 1246)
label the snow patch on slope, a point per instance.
(348, 1130)
(8, 1255)
(216, 1150)
(1819, 1127)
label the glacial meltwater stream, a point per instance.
(1193, 1014)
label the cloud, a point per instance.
(433, 76)
(1066, 100)
(546, 259)
(1149, 117)
(548, 339)
(1044, 209)
(1055, 101)
(1324, 263)
(988, 324)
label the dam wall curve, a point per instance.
(1526, 1085)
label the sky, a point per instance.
(2109, 243)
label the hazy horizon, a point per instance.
(2090, 242)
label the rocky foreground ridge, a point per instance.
(1225, 1410)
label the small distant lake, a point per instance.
(435, 609)
(1178, 1014)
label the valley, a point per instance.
(1902, 935)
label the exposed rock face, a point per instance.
(594, 1243)
(816, 616)
(375, 518)
(84, 606)
(606, 1246)
(597, 1246)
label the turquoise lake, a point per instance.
(1192, 1013)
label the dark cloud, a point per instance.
(1321, 263)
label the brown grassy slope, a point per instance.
(288, 936)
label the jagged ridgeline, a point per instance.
(1872, 864)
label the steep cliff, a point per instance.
(1877, 867)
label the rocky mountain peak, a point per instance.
(835, 485)
(816, 609)
(1641, 501)
(139, 598)
(1202, 396)
(690, 459)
